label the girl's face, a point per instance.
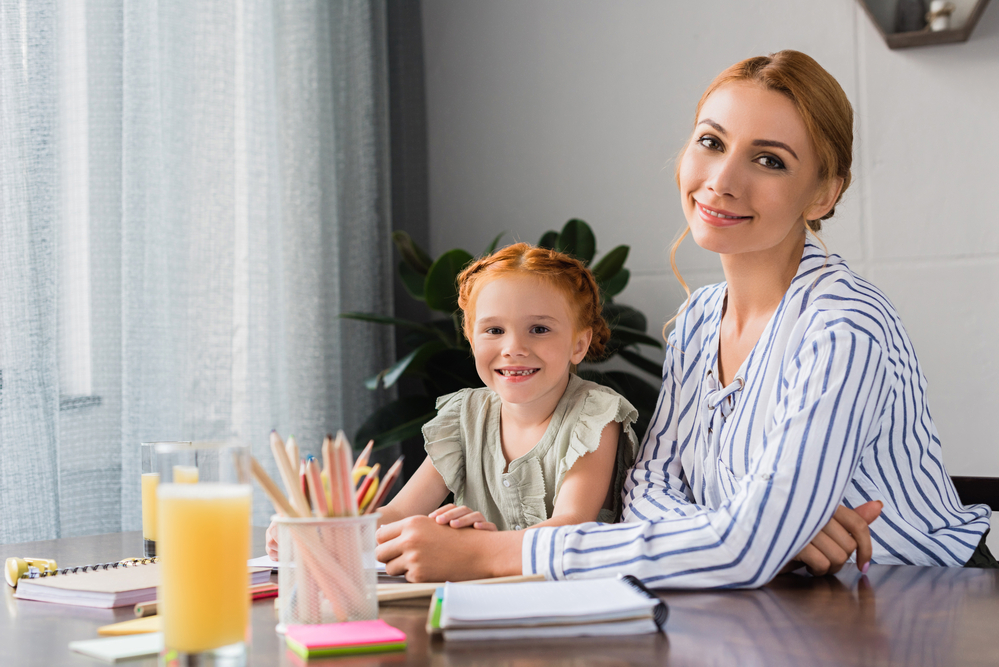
(524, 340)
(749, 177)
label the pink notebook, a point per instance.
(310, 641)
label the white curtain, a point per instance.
(191, 192)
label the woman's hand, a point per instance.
(272, 543)
(845, 533)
(461, 517)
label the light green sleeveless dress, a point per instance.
(463, 442)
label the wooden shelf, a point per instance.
(904, 40)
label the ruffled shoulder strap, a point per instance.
(444, 443)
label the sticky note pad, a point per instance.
(310, 641)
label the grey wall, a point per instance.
(542, 111)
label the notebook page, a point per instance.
(588, 599)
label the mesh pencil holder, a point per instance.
(327, 570)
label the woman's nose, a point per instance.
(725, 177)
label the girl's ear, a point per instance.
(825, 199)
(582, 346)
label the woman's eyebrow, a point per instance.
(759, 142)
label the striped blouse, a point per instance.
(732, 482)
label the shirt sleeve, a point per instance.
(837, 386)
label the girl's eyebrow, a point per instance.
(758, 142)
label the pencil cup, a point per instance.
(327, 571)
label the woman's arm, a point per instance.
(836, 390)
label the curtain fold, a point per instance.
(237, 201)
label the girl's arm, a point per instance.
(422, 494)
(584, 489)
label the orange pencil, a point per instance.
(315, 482)
(346, 465)
(362, 458)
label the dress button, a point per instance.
(506, 483)
(517, 527)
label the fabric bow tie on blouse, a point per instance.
(718, 404)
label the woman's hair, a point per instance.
(562, 272)
(823, 107)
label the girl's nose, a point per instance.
(515, 346)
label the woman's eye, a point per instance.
(710, 142)
(539, 329)
(770, 162)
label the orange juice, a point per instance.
(205, 532)
(185, 474)
(150, 480)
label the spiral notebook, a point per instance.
(104, 587)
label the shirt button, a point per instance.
(765, 476)
(506, 483)
(517, 527)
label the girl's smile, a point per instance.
(524, 342)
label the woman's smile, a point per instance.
(719, 217)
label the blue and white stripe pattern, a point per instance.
(732, 482)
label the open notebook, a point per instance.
(105, 588)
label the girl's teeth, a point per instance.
(527, 372)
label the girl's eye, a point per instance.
(770, 162)
(538, 329)
(494, 331)
(710, 142)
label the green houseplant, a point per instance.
(439, 354)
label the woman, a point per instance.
(788, 389)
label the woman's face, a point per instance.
(749, 176)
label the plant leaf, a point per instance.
(415, 256)
(632, 337)
(577, 239)
(382, 319)
(647, 365)
(492, 246)
(411, 364)
(440, 286)
(616, 285)
(412, 281)
(619, 314)
(610, 264)
(396, 415)
(549, 240)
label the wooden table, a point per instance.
(897, 615)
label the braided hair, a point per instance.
(563, 272)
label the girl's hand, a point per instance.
(272, 543)
(461, 517)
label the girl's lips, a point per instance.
(717, 217)
(516, 373)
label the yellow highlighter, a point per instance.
(15, 568)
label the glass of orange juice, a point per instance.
(151, 480)
(203, 531)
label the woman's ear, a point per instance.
(825, 199)
(581, 346)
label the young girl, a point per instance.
(537, 446)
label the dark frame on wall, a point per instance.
(903, 40)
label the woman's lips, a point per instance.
(719, 217)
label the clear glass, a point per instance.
(150, 481)
(327, 570)
(203, 530)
